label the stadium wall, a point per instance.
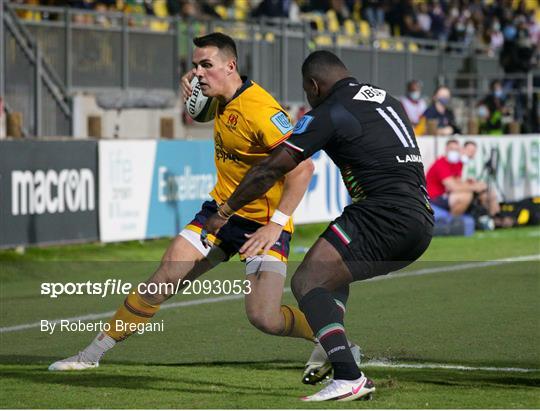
(48, 192)
(71, 191)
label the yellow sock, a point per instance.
(296, 324)
(134, 311)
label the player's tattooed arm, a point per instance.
(262, 176)
(258, 180)
(296, 184)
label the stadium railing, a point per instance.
(28, 84)
(520, 94)
(96, 51)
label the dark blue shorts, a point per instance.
(232, 237)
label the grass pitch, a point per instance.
(459, 306)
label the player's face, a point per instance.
(212, 68)
(311, 88)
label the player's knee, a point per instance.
(300, 285)
(153, 294)
(266, 322)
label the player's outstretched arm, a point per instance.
(256, 182)
(296, 183)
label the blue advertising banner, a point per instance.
(184, 174)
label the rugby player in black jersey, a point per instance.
(367, 134)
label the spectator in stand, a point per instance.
(491, 110)
(518, 49)
(190, 10)
(272, 8)
(445, 186)
(424, 19)
(440, 113)
(438, 22)
(342, 11)
(413, 103)
(373, 13)
(394, 17)
(494, 37)
(516, 58)
(411, 27)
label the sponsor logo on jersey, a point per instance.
(372, 94)
(232, 121)
(282, 123)
(409, 158)
(221, 151)
(302, 124)
(51, 191)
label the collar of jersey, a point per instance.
(341, 83)
(245, 85)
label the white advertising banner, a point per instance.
(326, 195)
(518, 167)
(517, 175)
(125, 185)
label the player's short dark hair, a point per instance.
(219, 40)
(318, 63)
(468, 142)
(451, 141)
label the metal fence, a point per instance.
(115, 50)
(95, 51)
(28, 84)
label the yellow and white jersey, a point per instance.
(246, 129)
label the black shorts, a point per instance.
(375, 240)
(232, 237)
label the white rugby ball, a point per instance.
(199, 107)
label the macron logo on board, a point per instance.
(51, 191)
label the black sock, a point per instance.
(324, 317)
(341, 296)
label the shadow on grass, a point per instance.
(144, 381)
(146, 376)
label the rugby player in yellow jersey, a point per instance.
(248, 124)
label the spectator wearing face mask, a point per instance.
(491, 110)
(440, 113)
(413, 103)
(445, 186)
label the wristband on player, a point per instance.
(279, 218)
(224, 211)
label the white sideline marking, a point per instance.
(456, 267)
(434, 366)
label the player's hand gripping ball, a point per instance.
(199, 107)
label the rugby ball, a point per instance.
(199, 107)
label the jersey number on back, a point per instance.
(377, 95)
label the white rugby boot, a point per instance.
(344, 390)
(75, 363)
(87, 358)
(318, 367)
